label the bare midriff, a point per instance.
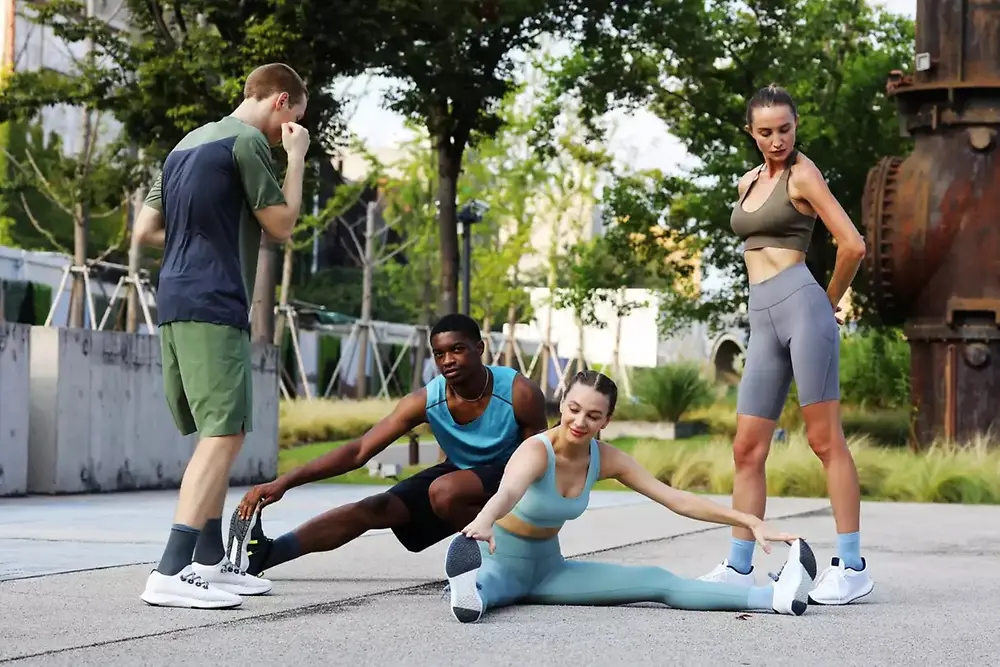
(512, 524)
(764, 263)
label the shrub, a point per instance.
(875, 369)
(673, 389)
(303, 421)
(946, 473)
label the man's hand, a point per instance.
(482, 531)
(764, 534)
(262, 494)
(295, 139)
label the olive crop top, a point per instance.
(542, 505)
(776, 224)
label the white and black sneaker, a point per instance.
(462, 567)
(225, 576)
(186, 589)
(794, 580)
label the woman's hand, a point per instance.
(482, 531)
(764, 534)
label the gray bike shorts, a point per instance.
(793, 333)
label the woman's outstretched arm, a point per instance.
(616, 464)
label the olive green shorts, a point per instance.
(206, 378)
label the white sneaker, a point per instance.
(227, 577)
(462, 566)
(794, 580)
(186, 589)
(841, 585)
(725, 574)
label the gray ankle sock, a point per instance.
(210, 549)
(179, 549)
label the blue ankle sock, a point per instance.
(741, 555)
(849, 550)
(283, 549)
(761, 597)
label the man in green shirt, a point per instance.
(217, 191)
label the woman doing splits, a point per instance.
(793, 334)
(510, 552)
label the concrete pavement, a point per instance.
(373, 603)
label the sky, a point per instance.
(640, 137)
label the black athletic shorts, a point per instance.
(426, 528)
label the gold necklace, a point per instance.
(486, 371)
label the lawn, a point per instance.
(294, 457)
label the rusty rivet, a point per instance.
(976, 355)
(980, 138)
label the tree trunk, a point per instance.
(81, 208)
(449, 165)
(547, 344)
(262, 321)
(617, 372)
(487, 339)
(361, 384)
(581, 365)
(133, 309)
(426, 313)
(286, 286)
(78, 292)
(511, 323)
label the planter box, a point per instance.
(99, 421)
(15, 345)
(654, 430)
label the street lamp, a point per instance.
(469, 214)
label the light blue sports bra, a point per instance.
(542, 505)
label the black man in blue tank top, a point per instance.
(509, 554)
(478, 414)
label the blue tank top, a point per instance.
(542, 505)
(492, 438)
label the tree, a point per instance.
(832, 55)
(456, 62)
(504, 172)
(183, 64)
(53, 197)
(637, 225)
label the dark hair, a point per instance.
(267, 80)
(770, 96)
(458, 323)
(598, 382)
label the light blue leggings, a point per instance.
(534, 572)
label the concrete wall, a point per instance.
(99, 421)
(258, 460)
(14, 361)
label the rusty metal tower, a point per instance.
(933, 220)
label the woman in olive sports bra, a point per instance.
(793, 334)
(510, 552)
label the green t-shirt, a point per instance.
(210, 186)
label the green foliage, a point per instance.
(45, 186)
(673, 389)
(946, 473)
(875, 369)
(183, 64)
(638, 249)
(411, 195)
(504, 172)
(833, 56)
(337, 289)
